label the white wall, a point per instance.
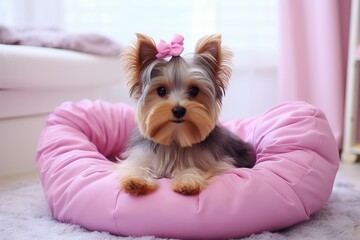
(248, 96)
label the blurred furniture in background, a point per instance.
(33, 81)
(351, 146)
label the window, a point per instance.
(248, 27)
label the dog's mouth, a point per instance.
(178, 120)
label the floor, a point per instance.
(7, 181)
(352, 173)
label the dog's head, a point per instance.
(178, 100)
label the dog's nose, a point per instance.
(179, 112)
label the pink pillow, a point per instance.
(297, 159)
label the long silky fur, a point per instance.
(220, 151)
(190, 152)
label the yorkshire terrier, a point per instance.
(178, 105)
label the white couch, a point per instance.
(33, 81)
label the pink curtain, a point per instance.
(313, 55)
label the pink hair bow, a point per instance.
(175, 48)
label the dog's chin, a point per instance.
(179, 131)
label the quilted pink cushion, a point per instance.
(297, 159)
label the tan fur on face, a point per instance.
(155, 118)
(157, 123)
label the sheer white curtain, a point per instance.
(248, 27)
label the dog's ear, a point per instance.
(211, 54)
(146, 50)
(135, 59)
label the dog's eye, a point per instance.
(161, 91)
(194, 91)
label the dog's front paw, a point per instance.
(138, 186)
(189, 182)
(187, 189)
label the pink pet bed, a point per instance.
(297, 159)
